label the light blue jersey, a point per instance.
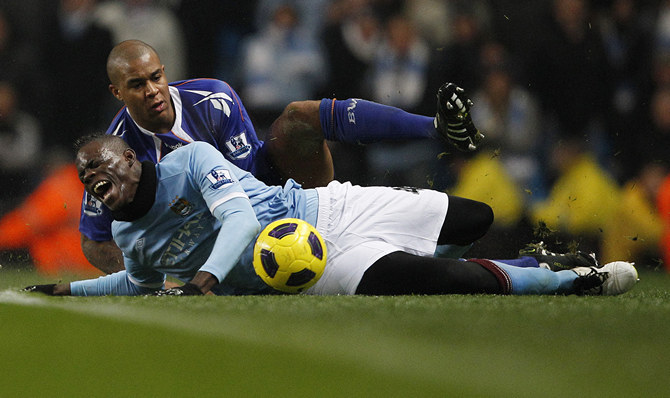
(207, 213)
(206, 217)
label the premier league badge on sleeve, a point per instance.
(92, 206)
(219, 178)
(238, 146)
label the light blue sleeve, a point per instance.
(116, 284)
(218, 182)
(239, 227)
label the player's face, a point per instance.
(107, 175)
(141, 84)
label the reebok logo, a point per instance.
(218, 100)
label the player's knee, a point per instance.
(482, 218)
(466, 221)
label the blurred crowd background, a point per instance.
(572, 95)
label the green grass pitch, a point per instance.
(297, 346)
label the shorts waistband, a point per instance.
(323, 215)
(312, 206)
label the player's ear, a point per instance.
(130, 156)
(115, 92)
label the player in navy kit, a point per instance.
(195, 216)
(159, 117)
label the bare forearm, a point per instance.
(62, 289)
(105, 256)
(204, 281)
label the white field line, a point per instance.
(115, 311)
(401, 358)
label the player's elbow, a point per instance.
(89, 247)
(248, 229)
(254, 227)
(245, 225)
(105, 256)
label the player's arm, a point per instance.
(105, 255)
(227, 200)
(117, 284)
(95, 226)
(239, 227)
(229, 203)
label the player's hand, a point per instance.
(188, 289)
(453, 120)
(45, 289)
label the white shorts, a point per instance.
(362, 224)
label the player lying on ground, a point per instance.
(159, 117)
(195, 216)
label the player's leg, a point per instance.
(297, 148)
(296, 142)
(466, 221)
(361, 121)
(610, 279)
(403, 273)
(380, 241)
(297, 139)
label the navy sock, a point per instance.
(361, 121)
(525, 262)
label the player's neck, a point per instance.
(145, 196)
(160, 125)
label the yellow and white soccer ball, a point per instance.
(290, 255)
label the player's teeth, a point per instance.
(98, 186)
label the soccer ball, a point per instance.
(290, 255)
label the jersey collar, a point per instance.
(145, 196)
(177, 128)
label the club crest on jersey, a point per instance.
(219, 178)
(238, 146)
(92, 206)
(181, 206)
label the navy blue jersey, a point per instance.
(206, 110)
